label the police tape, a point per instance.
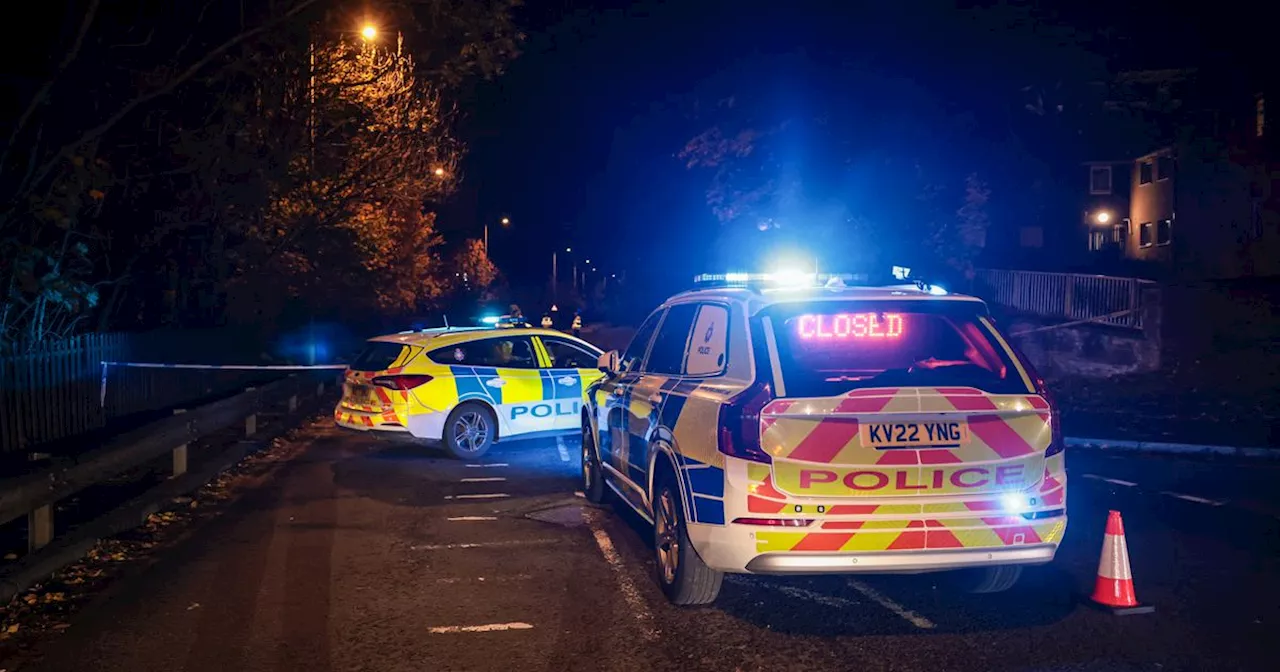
(102, 392)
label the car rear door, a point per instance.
(503, 372)
(900, 400)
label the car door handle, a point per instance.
(495, 382)
(655, 398)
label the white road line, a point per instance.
(487, 479)
(629, 591)
(564, 452)
(467, 519)
(491, 627)
(910, 616)
(799, 593)
(481, 579)
(483, 544)
(486, 466)
(493, 495)
(1113, 481)
(1192, 498)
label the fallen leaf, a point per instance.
(12, 628)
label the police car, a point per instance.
(772, 426)
(468, 387)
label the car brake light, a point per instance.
(401, 382)
(1056, 443)
(775, 522)
(740, 424)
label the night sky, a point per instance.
(577, 142)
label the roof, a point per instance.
(757, 299)
(448, 336)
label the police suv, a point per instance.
(784, 425)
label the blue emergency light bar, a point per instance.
(783, 279)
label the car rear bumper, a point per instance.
(348, 418)
(906, 562)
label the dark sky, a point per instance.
(576, 142)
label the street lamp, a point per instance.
(439, 172)
(506, 221)
(369, 32)
(1102, 217)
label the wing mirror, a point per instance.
(608, 362)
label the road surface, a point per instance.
(364, 555)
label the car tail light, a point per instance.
(775, 522)
(401, 382)
(1056, 443)
(740, 424)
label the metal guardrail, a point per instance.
(1101, 299)
(34, 495)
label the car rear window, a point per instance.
(378, 356)
(829, 348)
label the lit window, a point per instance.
(1100, 180)
(1097, 240)
(1144, 172)
(1145, 234)
(1164, 232)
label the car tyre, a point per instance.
(470, 430)
(995, 579)
(593, 485)
(685, 579)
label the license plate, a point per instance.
(925, 434)
(360, 394)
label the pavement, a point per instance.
(365, 555)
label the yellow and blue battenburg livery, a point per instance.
(828, 429)
(468, 387)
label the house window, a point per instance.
(1120, 233)
(1260, 116)
(1100, 180)
(1164, 232)
(1164, 167)
(1144, 172)
(1097, 240)
(1144, 235)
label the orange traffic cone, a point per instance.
(1114, 588)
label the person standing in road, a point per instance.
(577, 324)
(546, 320)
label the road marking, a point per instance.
(1113, 481)
(491, 627)
(910, 616)
(799, 593)
(488, 479)
(467, 519)
(481, 579)
(494, 495)
(564, 452)
(483, 544)
(486, 466)
(1192, 498)
(629, 591)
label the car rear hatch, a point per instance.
(373, 382)
(899, 399)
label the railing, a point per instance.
(36, 495)
(51, 392)
(1102, 299)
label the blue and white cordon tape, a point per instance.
(102, 394)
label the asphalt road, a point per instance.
(364, 555)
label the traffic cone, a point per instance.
(1114, 588)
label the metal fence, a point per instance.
(52, 392)
(1105, 299)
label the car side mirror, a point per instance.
(608, 362)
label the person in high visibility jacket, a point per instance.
(577, 323)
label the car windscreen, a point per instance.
(829, 348)
(377, 356)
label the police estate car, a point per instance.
(827, 429)
(468, 387)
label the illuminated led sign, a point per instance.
(842, 326)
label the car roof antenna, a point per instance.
(446, 320)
